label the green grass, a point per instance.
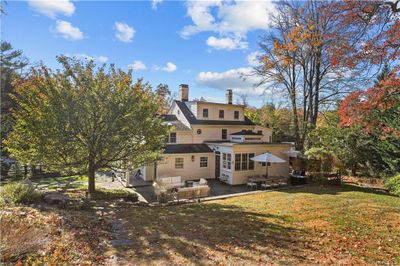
(310, 225)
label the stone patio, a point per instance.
(146, 193)
(217, 188)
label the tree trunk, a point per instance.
(91, 176)
(354, 169)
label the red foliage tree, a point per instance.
(376, 110)
(369, 31)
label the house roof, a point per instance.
(246, 133)
(187, 148)
(194, 121)
(173, 121)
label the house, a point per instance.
(215, 140)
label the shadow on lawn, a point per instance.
(207, 233)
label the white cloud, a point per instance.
(170, 67)
(97, 58)
(52, 8)
(239, 80)
(124, 32)
(253, 58)
(228, 18)
(226, 43)
(68, 31)
(155, 3)
(137, 65)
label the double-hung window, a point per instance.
(172, 137)
(243, 161)
(179, 163)
(226, 161)
(205, 113)
(236, 114)
(224, 134)
(203, 162)
(221, 113)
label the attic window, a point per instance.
(205, 113)
(236, 114)
(221, 113)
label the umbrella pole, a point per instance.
(266, 167)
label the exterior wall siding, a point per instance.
(213, 111)
(212, 133)
(191, 169)
(278, 169)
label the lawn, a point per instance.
(308, 225)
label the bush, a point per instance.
(393, 185)
(19, 193)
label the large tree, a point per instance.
(318, 51)
(85, 117)
(12, 63)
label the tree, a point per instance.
(376, 111)
(163, 97)
(296, 60)
(319, 51)
(86, 118)
(371, 31)
(277, 118)
(11, 64)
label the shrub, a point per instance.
(19, 193)
(393, 185)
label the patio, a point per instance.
(217, 188)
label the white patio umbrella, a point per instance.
(267, 158)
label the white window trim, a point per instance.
(183, 163)
(206, 161)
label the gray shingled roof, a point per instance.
(187, 148)
(173, 121)
(246, 132)
(194, 121)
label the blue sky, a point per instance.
(204, 44)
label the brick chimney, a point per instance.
(184, 92)
(229, 96)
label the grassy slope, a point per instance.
(308, 225)
(300, 226)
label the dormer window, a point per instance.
(205, 113)
(221, 113)
(236, 114)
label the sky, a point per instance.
(208, 45)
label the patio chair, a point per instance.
(202, 182)
(266, 185)
(251, 185)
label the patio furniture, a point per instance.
(199, 191)
(202, 182)
(251, 185)
(266, 185)
(170, 182)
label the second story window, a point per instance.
(172, 137)
(205, 113)
(236, 114)
(224, 133)
(221, 113)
